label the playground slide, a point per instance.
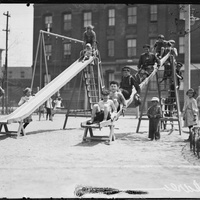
(144, 83)
(45, 93)
(130, 100)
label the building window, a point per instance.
(152, 42)
(67, 22)
(132, 15)
(181, 45)
(48, 23)
(87, 17)
(22, 74)
(48, 48)
(111, 48)
(47, 79)
(182, 11)
(131, 47)
(67, 50)
(153, 13)
(111, 17)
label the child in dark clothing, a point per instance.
(154, 114)
(127, 83)
(178, 74)
(159, 46)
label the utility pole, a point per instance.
(187, 77)
(6, 64)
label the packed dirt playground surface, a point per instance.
(52, 162)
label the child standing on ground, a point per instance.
(154, 114)
(117, 96)
(104, 110)
(49, 108)
(27, 96)
(190, 110)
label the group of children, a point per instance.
(111, 102)
(114, 99)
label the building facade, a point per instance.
(121, 31)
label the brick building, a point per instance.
(121, 32)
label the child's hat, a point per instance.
(161, 36)
(146, 45)
(90, 27)
(27, 90)
(155, 99)
(88, 45)
(126, 67)
(190, 90)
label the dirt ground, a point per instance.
(52, 162)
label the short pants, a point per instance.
(100, 116)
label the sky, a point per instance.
(20, 36)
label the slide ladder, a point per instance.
(91, 84)
(167, 89)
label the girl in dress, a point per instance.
(190, 110)
(27, 96)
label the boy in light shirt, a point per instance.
(104, 110)
(117, 96)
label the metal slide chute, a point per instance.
(45, 93)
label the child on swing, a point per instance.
(104, 110)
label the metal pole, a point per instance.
(57, 35)
(6, 64)
(187, 76)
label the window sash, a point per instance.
(87, 17)
(153, 13)
(67, 21)
(67, 49)
(132, 15)
(48, 22)
(131, 47)
(111, 17)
